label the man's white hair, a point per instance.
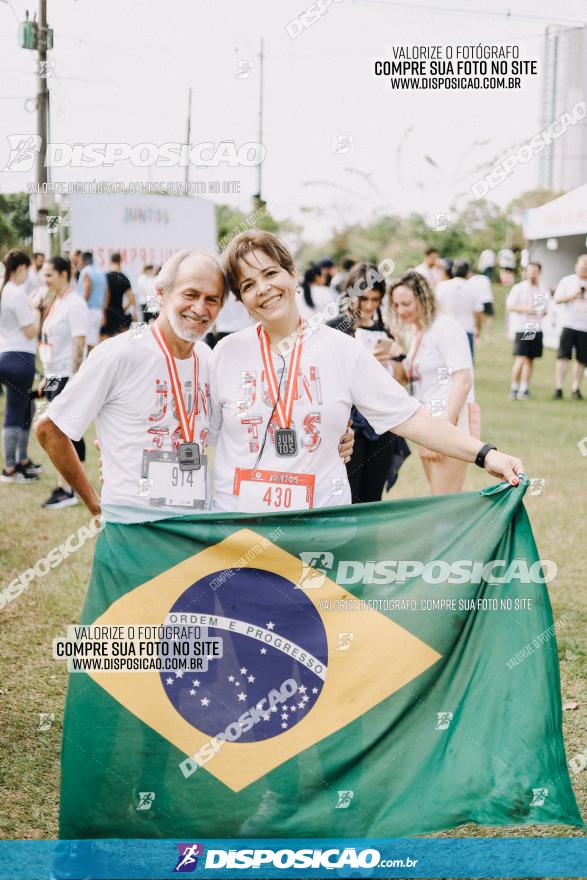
(167, 275)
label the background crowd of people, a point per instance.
(422, 326)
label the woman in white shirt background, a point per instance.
(376, 458)
(526, 305)
(276, 431)
(18, 345)
(439, 368)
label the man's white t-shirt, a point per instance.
(534, 298)
(487, 259)
(67, 318)
(141, 288)
(431, 362)
(574, 314)
(335, 373)
(432, 274)
(232, 317)
(324, 299)
(481, 285)
(459, 300)
(15, 313)
(124, 386)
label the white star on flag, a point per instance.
(270, 625)
(196, 683)
(205, 701)
(169, 680)
(231, 677)
(263, 650)
(251, 678)
(244, 670)
(242, 697)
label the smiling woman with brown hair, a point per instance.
(284, 391)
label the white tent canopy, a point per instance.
(566, 215)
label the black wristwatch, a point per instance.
(482, 454)
(399, 358)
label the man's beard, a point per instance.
(183, 332)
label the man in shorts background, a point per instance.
(571, 294)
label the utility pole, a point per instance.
(41, 236)
(187, 140)
(259, 195)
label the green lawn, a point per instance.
(543, 432)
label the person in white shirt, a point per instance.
(63, 340)
(314, 296)
(18, 345)
(231, 318)
(148, 391)
(35, 276)
(481, 285)
(438, 369)
(429, 267)
(487, 263)
(145, 291)
(284, 390)
(507, 266)
(526, 305)
(571, 294)
(461, 301)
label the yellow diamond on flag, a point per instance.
(361, 658)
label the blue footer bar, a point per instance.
(286, 858)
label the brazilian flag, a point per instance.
(381, 670)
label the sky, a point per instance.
(122, 73)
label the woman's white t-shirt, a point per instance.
(432, 359)
(335, 373)
(15, 313)
(67, 318)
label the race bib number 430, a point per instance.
(269, 491)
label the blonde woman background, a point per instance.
(438, 370)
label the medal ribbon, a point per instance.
(284, 410)
(186, 423)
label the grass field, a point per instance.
(545, 433)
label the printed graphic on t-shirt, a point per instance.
(163, 482)
(254, 405)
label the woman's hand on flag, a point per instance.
(499, 464)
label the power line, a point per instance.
(457, 10)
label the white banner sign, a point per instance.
(142, 229)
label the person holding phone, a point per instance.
(376, 458)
